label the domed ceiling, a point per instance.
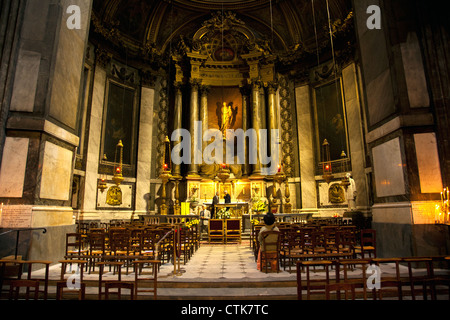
(150, 29)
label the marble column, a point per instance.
(177, 122)
(144, 150)
(245, 106)
(256, 123)
(204, 91)
(194, 115)
(306, 148)
(273, 124)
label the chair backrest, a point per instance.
(15, 286)
(233, 224)
(119, 286)
(216, 224)
(120, 241)
(368, 237)
(271, 241)
(73, 242)
(96, 241)
(338, 287)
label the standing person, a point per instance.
(215, 201)
(227, 198)
(205, 215)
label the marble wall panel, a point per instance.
(414, 72)
(388, 169)
(12, 174)
(392, 213)
(428, 162)
(380, 97)
(69, 65)
(56, 174)
(25, 81)
(375, 64)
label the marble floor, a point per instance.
(222, 270)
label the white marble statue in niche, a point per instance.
(351, 192)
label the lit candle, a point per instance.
(165, 166)
(279, 168)
(118, 170)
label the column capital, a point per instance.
(272, 87)
(256, 84)
(195, 83)
(204, 89)
(245, 90)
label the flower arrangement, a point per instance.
(192, 223)
(259, 205)
(336, 215)
(223, 214)
(254, 221)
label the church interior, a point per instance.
(145, 114)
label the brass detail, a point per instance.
(336, 193)
(114, 196)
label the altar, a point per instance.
(236, 209)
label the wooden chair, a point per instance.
(293, 248)
(359, 281)
(415, 278)
(368, 244)
(16, 285)
(312, 286)
(73, 285)
(11, 269)
(216, 230)
(29, 266)
(61, 285)
(440, 279)
(270, 251)
(392, 286)
(117, 267)
(74, 246)
(97, 249)
(338, 287)
(141, 278)
(119, 285)
(233, 229)
(120, 248)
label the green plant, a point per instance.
(223, 213)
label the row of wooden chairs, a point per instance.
(363, 278)
(328, 244)
(72, 282)
(11, 272)
(324, 242)
(128, 244)
(224, 230)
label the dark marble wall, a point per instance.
(406, 240)
(35, 244)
